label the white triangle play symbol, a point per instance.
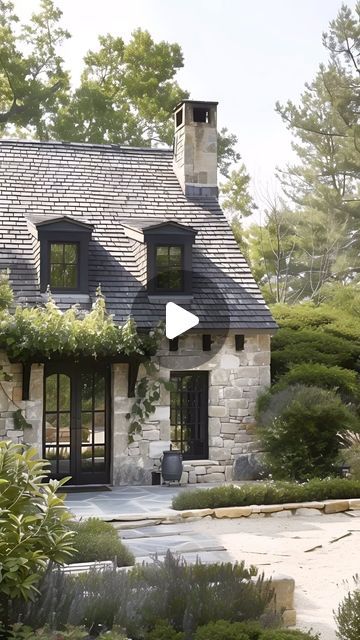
(178, 320)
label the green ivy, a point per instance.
(48, 332)
(147, 393)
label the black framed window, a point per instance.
(189, 413)
(169, 267)
(64, 265)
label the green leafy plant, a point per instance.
(272, 492)
(33, 523)
(347, 616)
(224, 630)
(351, 457)
(98, 540)
(299, 429)
(147, 393)
(47, 332)
(21, 632)
(164, 631)
(180, 595)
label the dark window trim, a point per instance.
(80, 237)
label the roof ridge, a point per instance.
(105, 145)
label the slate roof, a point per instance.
(104, 184)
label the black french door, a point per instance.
(189, 413)
(76, 433)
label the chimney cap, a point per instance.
(203, 103)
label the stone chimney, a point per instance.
(195, 148)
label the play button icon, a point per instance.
(178, 320)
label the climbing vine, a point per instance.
(30, 332)
(46, 332)
(147, 393)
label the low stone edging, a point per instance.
(278, 510)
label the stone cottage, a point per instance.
(145, 223)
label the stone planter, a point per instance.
(171, 466)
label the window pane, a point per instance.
(99, 391)
(86, 391)
(64, 393)
(56, 253)
(175, 279)
(56, 276)
(70, 276)
(71, 251)
(86, 428)
(175, 256)
(64, 260)
(162, 280)
(169, 264)
(64, 428)
(51, 393)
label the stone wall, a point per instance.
(235, 380)
(11, 401)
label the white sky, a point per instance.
(245, 54)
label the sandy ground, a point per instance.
(279, 545)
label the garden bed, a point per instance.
(292, 494)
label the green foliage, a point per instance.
(236, 197)
(164, 631)
(98, 540)
(6, 294)
(126, 94)
(299, 429)
(348, 617)
(147, 393)
(33, 523)
(267, 493)
(33, 81)
(22, 632)
(47, 332)
(351, 456)
(171, 591)
(343, 381)
(295, 346)
(223, 630)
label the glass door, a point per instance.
(76, 423)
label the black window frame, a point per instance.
(199, 447)
(48, 237)
(168, 236)
(169, 245)
(50, 263)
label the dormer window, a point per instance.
(169, 267)
(64, 249)
(64, 266)
(168, 247)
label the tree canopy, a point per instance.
(313, 237)
(126, 93)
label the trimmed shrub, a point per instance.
(21, 632)
(223, 630)
(267, 493)
(343, 381)
(296, 346)
(299, 429)
(97, 540)
(348, 617)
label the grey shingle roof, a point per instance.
(104, 185)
